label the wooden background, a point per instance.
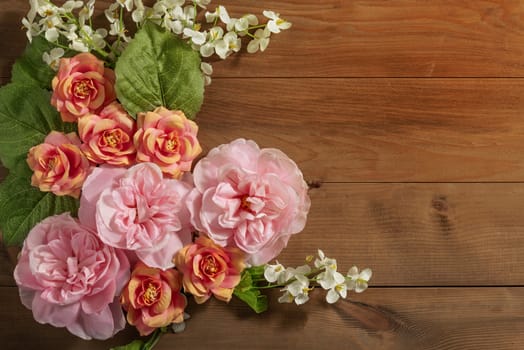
(407, 115)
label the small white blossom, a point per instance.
(277, 273)
(242, 24)
(228, 44)
(214, 34)
(86, 12)
(48, 10)
(261, 41)
(335, 293)
(324, 262)
(32, 29)
(53, 57)
(299, 289)
(358, 281)
(197, 37)
(78, 45)
(220, 12)
(275, 23)
(112, 13)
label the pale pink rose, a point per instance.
(69, 278)
(108, 136)
(82, 85)
(152, 298)
(58, 164)
(247, 197)
(168, 139)
(139, 210)
(209, 269)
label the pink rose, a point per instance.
(58, 164)
(209, 269)
(69, 278)
(168, 139)
(152, 299)
(108, 136)
(139, 210)
(247, 197)
(82, 86)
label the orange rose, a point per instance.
(168, 139)
(58, 165)
(209, 269)
(108, 136)
(152, 298)
(82, 86)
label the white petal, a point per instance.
(263, 44)
(224, 16)
(353, 272)
(332, 296)
(286, 298)
(361, 286)
(253, 46)
(51, 35)
(206, 68)
(285, 25)
(301, 299)
(366, 274)
(251, 19)
(273, 27)
(270, 14)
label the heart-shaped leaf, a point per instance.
(159, 69)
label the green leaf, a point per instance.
(23, 206)
(26, 117)
(30, 69)
(248, 292)
(159, 69)
(140, 344)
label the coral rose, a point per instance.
(152, 298)
(108, 136)
(58, 164)
(249, 197)
(82, 85)
(168, 139)
(69, 278)
(139, 210)
(209, 269)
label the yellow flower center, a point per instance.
(171, 144)
(51, 163)
(112, 138)
(83, 88)
(151, 294)
(210, 265)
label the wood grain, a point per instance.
(381, 318)
(378, 130)
(357, 38)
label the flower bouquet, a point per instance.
(98, 131)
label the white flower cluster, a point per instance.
(67, 30)
(70, 26)
(297, 282)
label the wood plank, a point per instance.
(379, 130)
(376, 130)
(389, 319)
(414, 234)
(361, 38)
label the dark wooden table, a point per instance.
(408, 115)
